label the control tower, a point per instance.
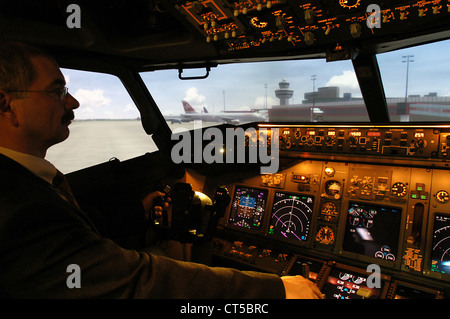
(284, 94)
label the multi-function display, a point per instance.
(291, 216)
(373, 231)
(248, 207)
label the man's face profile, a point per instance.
(42, 117)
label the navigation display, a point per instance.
(372, 231)
(440, 254)
(248, 207)
(291, 216)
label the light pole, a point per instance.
(407, 60)
(265, 100)
(313, 78)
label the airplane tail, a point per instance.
(188, 108)
(205, 110)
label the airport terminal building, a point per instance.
(327, 105)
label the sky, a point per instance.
(243, 86)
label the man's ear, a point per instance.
(6, 112)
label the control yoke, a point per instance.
(194, 215)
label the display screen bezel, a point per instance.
(311, 221)
(372, 259)
(260, 229)
(429, 247)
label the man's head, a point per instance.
(35, 110)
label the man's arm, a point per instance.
(41, 239)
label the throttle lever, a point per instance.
(221, 200)
(162, 220)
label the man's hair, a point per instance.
(16, 69)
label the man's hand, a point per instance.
(147, 203)
(298, 287)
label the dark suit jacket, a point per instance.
(41, 235)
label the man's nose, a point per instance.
(72, 102)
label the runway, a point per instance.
(94, 142)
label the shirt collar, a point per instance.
(38, 166)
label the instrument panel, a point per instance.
(274, 25)
(345, 214)
(424, 142)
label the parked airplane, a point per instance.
(232, 117)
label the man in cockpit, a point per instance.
(43, 231)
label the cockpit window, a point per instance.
(277, 91)
(417, 82)
(106, 125)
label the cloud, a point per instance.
(194, 98)
(347, 82)
(92, 98)
(129, 108)
(92, 103)
(260, 102)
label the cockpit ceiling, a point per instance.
(143, 33)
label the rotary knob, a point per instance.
(442, 196)
(309, 38)
(309, 16)
(355, 30)
(399, 189)
(421, 143)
